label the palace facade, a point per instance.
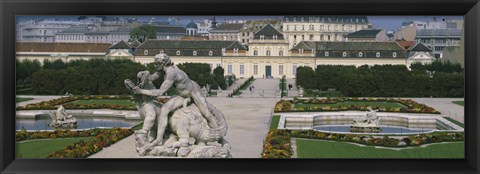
(267, 55)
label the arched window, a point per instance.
(268, 53)
(394, 54)
(178, 52)
(210, 53)
(255, 52)
(378, 54)
(344, 54)
(280, 53)
(360, 54)
(327, 54)
(145, 52)
(194, 53)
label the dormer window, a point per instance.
(145, 52)
(360, 54)
(344, 54)
(178, 52)
(210, 53)
(162, 52)
(394, 54)
(194, 53)
(378, 54)
(235, 51)
(223, 51)
(300, 51)
(327, 54)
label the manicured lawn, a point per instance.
(325, 149)
(355, 103)
(43, 148)
(459, 102)
(274, 122)
(455, 121)
(22, 99)
(138, 126)
(101, 101)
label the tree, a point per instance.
(305, 77)
(218, 74)
(143, 33)
(25, 69)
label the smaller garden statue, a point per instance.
(300, 92)
(204, 91)
(60, 119)
(369, 124)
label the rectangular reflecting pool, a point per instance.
(82, 123)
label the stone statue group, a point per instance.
(186, 125)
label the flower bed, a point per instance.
(277, 144)
(276, 140)
(66, 102)
(82, 149)
(410, 105)
(23, 135)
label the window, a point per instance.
(360, 54)
(268, 53)
(218, 64)
(280, 69)
(328, 37)
(378, 54)
(229, 69)
(255, 69)
(255, 52)
(235, 51)
(178, 52)
(344, 54)
(162, 52)
(194, 53)
(210, 53)
(321, 37)
(242, 69)
(145, 52)
(327, 54)
(394, 54)
(294, 69)
(280, 53)
(300, 51)
(311, 37)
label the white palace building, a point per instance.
(268, 54)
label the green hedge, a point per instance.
(381, 81)
(277, 142)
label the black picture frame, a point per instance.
(10, 8)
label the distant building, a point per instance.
(226, 32)
(251, 27)
(167, 32)
(63, 51)
(205, 26)
(42, 31)
(373, 35)
(405, 44)
(456, 54)
(192, 29)
(419, 54)
(438, 39)
(321, 28)
(406, 33)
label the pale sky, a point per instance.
(384, 22)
